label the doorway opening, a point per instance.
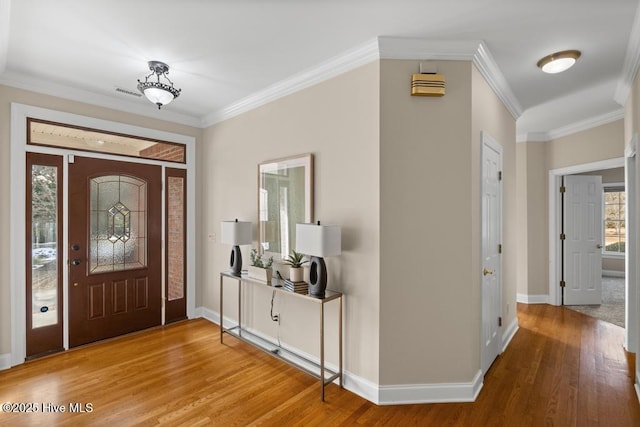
(555, 230)
(57, 247)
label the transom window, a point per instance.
(614, 219)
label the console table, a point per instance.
(319, 371)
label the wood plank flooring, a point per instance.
(561, 369)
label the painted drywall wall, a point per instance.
(592, 145)
(427, 317)
(537, 202)
(337, 121)
(490, 115)
(9, 95)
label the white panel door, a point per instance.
(491, 258)
(583, 240)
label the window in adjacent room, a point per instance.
(614, 219)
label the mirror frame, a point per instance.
(305, 160)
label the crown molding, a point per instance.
(5, 27)
(349, 60)
(66, 92)
(572, 128)
(413, 48)
(631, 63)
(379, 48)
(487, 66)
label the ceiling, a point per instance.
(226, 54)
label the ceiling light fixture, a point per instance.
(158, 92)
(559, 61)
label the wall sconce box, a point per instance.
(427, 85)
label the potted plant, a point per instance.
(295, 261)
(259, 268)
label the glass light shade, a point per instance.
(559, 61)
(559, 65)
(318, 240)
(158, 96)
(236, 233)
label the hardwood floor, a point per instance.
(561, 369)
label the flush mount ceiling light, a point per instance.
(559, 61)
(158, 92)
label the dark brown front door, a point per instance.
(114, 248)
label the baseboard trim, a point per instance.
(5, 361)
(533, 299)
(431, 393)
(509, 333)
(387, 395)
(613, 273)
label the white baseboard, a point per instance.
(533, 299)
(385, 395)
(5, 361)
(430, 393)
(509, 333)
(613, 273)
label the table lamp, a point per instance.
(236, 233)
(318, 241)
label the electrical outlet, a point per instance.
(276, 317)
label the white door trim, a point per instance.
(555, 218)
(488, 142)
(19, 114)
(631, 268)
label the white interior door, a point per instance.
(491, 258)
(583, 240)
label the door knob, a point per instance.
(486, 272)
(75, 261)
(599, 246)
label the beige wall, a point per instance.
(592, 145)
(338, 121)
(430, 222)
(9, 95)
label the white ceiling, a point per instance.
(224, 52)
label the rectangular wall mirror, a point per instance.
(285, 198)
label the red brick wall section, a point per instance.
(161, 151)
(175, 240)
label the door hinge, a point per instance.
(500, 321)
(500, 248)
(499, 175)
(563, 283)
(563, 189)
(563, 236)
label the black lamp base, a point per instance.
(236, 261)
(317, 277)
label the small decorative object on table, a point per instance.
(296, 261)
(297, 287)
(260, 269)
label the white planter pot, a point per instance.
(296, 274)
(263, 274)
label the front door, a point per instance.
(114, 248)
(491, 252)
(582, 224)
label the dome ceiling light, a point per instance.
(559, 61)
(158, 92)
